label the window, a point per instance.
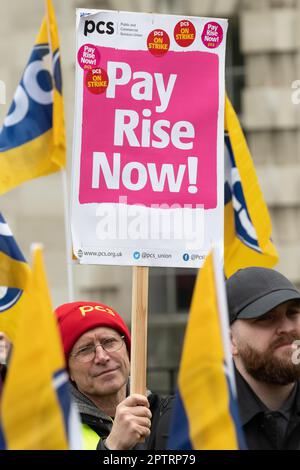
(170, 289)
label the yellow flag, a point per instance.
(14, 274)
(203, 416)
(32, 139)
(248, 229)
(35, 402)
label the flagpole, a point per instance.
(223, 314)
(68, 238)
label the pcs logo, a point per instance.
(8, 297)
(33, 97)
(102, 27)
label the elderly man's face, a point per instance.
(108, 372)
(264, 345)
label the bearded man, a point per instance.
(264, 310)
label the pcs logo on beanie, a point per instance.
(76, 318)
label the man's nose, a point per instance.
(285, 325)
(100, 354)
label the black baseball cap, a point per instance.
(252, 292)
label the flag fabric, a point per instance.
(14, 273)
(205, 413)
(13, 266)
(35, 402)
(32, 138)
(247, 231)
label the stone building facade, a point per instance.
(263, 62)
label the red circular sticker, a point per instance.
(96, 81)
(88, 56)
(158, 42)
(184, 33)
(212, 35)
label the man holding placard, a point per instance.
(97, 343)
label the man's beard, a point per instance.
(268, 368)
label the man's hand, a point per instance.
(132, 423)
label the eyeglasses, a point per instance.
(88, 353)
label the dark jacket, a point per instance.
(102, 424)
(265, 429)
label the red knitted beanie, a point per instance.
(75, 318)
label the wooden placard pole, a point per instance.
(139, 324)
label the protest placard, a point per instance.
(148, 171)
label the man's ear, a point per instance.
(234, 348)
(70, 373)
